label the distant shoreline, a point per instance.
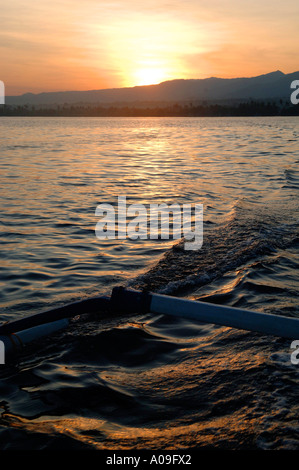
(250, 108)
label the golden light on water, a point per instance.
(203, 431)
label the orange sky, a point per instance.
(81, 45)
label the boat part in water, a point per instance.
(91, 305)
(18, 333)
(14, 342)
(268, 324)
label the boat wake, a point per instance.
(250, 232)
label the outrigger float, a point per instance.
(17, 334)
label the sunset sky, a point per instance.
(62, 45)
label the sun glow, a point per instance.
(149, 76)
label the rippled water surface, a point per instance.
(141, 380)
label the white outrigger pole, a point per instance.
(268, 324)
(18, 333)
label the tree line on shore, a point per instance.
(250, 108)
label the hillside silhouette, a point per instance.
(275, 85)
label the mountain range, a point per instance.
(274, 85)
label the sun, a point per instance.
(149, 76)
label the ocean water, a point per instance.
(135, 381)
